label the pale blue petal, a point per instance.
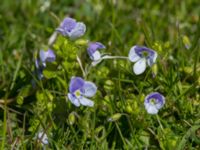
(73, 100)
(133, 57)
(89, 89)
(140, 66)
(78, 31)
(96, 56)
(86, 102)
(43, 55)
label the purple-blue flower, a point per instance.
(142, 56)
(153, 102)
(47, 56)
(93, 50)
(44, 56)
(79, 90)
(72, 29)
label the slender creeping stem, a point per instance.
(81, 66)
(94, 63)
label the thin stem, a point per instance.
(4, 127)
(160, 123)
(2, 101)
(120, 133)
(81, 66)
(114, 57)
(52, 38)
(56, 92)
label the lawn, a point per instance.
(100, 74)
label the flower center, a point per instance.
(77, 93)
(152, 101)
(145, 54)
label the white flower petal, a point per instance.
(151, 109)
(86, 102)
(78, 31)
(140, 66)
(133, 57)
(89, 89)
(96, 56)
(73, 100)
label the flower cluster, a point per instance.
(80, 90)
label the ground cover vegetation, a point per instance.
(99, 74)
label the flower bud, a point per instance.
(71, 118)
(115, 117)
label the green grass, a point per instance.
(165, 26)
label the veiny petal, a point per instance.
(160, 103)
(76, 83)
(78, 31)
(86, 102)
(140, 66)
(68, 24)
(73, 100)
(133, 57)
(152, 58)
(89, 89)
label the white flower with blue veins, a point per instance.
(153, 102)
(142, 56)
(79, 90)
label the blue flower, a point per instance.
(142, 56)
(44, 56)
(93, 50)
(153, 102)
(47, 56)
(79, 90)
(72, 29)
